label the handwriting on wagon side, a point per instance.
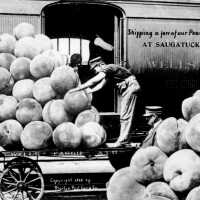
(177, 33)
(140, 34)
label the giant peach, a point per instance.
(181, 170)
(123, 186)
(86, 116)
(67, 136)
(54, 113)
(5, 77)
(41, 66)
(147, 164)
(36, 135)
(28, 110)
(159, 190)
(7, 43)
(6, 60)
(20, 68)
(23, 89)
(63, 79)
(93, 133)
(23, 29)
(42, 90)
(76, 102)
(190, 107)
(8, 106)
(8, 87)
(26, 47)
(44, 42)
(10, 132)
(192, 133)
(168, 135)
(56, 56)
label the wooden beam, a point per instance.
(22, 6)
(72, 167)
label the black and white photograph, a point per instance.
(99, 99)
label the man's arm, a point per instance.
(98, 86)
(101, 43)
(93, 81)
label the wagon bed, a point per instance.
(23, 178)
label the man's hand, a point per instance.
(121, 86)
(79, 88)
(89, 90)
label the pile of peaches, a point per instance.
(37, 111)
(168, 168)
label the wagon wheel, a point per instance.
(21, 181)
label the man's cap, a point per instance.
(96, 61)
(153, 110)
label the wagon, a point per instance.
(22, 177)
(23, 174)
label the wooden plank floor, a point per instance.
(77, 196)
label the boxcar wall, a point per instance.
(158, 40)
(163, 46)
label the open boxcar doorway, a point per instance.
(73, 25)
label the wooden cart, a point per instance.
(22, 177)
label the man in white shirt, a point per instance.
(128, 88)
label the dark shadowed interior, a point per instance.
(84, 20)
